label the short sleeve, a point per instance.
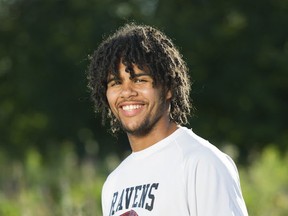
(214, 187)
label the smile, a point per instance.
(131, 107)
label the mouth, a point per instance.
(131, 107)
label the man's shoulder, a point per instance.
(190, 142)
(195, 147)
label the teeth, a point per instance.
(131, 107)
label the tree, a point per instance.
(236, 51)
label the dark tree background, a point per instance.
(237, 52)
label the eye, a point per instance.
(113, 83)
(138, 80)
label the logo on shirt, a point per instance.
(130, 213)
(141, 196)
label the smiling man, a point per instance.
(140, 82)
(140, 107)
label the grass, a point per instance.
(65, 187)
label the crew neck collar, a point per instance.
(159, 145)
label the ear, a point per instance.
(168, 95)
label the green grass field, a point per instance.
(65, 187)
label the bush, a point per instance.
(265, 184)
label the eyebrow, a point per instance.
(140, 74)
(112, 78)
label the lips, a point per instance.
(131, 109)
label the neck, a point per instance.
(156, 134)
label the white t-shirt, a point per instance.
(182, 175)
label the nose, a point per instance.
(128, 90)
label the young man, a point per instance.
(140, 82)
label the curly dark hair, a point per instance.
(147, 47)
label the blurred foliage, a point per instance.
(63, 187)
(238, 56)
(66, 188)
(237, 53)
(54, 153)
(265, 184)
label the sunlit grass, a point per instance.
(265, 184)
(66, 187)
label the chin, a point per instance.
(139, 131)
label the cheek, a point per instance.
(149, 92)
(111, 102)
(110, 98)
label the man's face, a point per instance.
(136, 103)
